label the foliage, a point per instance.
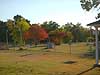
(35, 33)
(90, 39)
(16, 36)
(90, 4)
(20, 26)
(57, 36)
(75, 32)
(3, 28)
(68, 37)
(50, 26)
(10, 24)
(20, 29)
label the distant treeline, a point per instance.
(19, 31)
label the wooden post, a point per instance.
(97, 47)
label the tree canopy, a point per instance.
(50, 26)
(19, 30)
(35, 32)
(91, 4)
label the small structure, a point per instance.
(96, 24)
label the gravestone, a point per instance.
(50, 45)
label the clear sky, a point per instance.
(38, 11)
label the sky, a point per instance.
(39, 11)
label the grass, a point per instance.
(41, 61)
(25, 68)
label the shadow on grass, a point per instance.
(25, 55)
(69, 62)
(90, 54)
(85, 71)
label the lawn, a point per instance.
(41, 61)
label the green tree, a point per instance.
(10, 27)
(50, 26)
(68, 37)
(77, 32)
(21, 23)
(20, 26)
(90, 4)
(3, 28)
(10, 24)
(67, 27)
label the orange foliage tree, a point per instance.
(57, 36)
(35, 33)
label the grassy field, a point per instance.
(41, 61)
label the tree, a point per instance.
(35, 33)
(75, 32)
(21, 25)
(3, 28)
(57, 36)
(68, 27)
(90, 4)
(50, 26)
(10, 24)
(10, 27)
(68, 37)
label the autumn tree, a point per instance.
(35, 33)
(57, 36)
(69, 37)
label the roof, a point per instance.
(96, 23)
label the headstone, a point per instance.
(50, 45)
